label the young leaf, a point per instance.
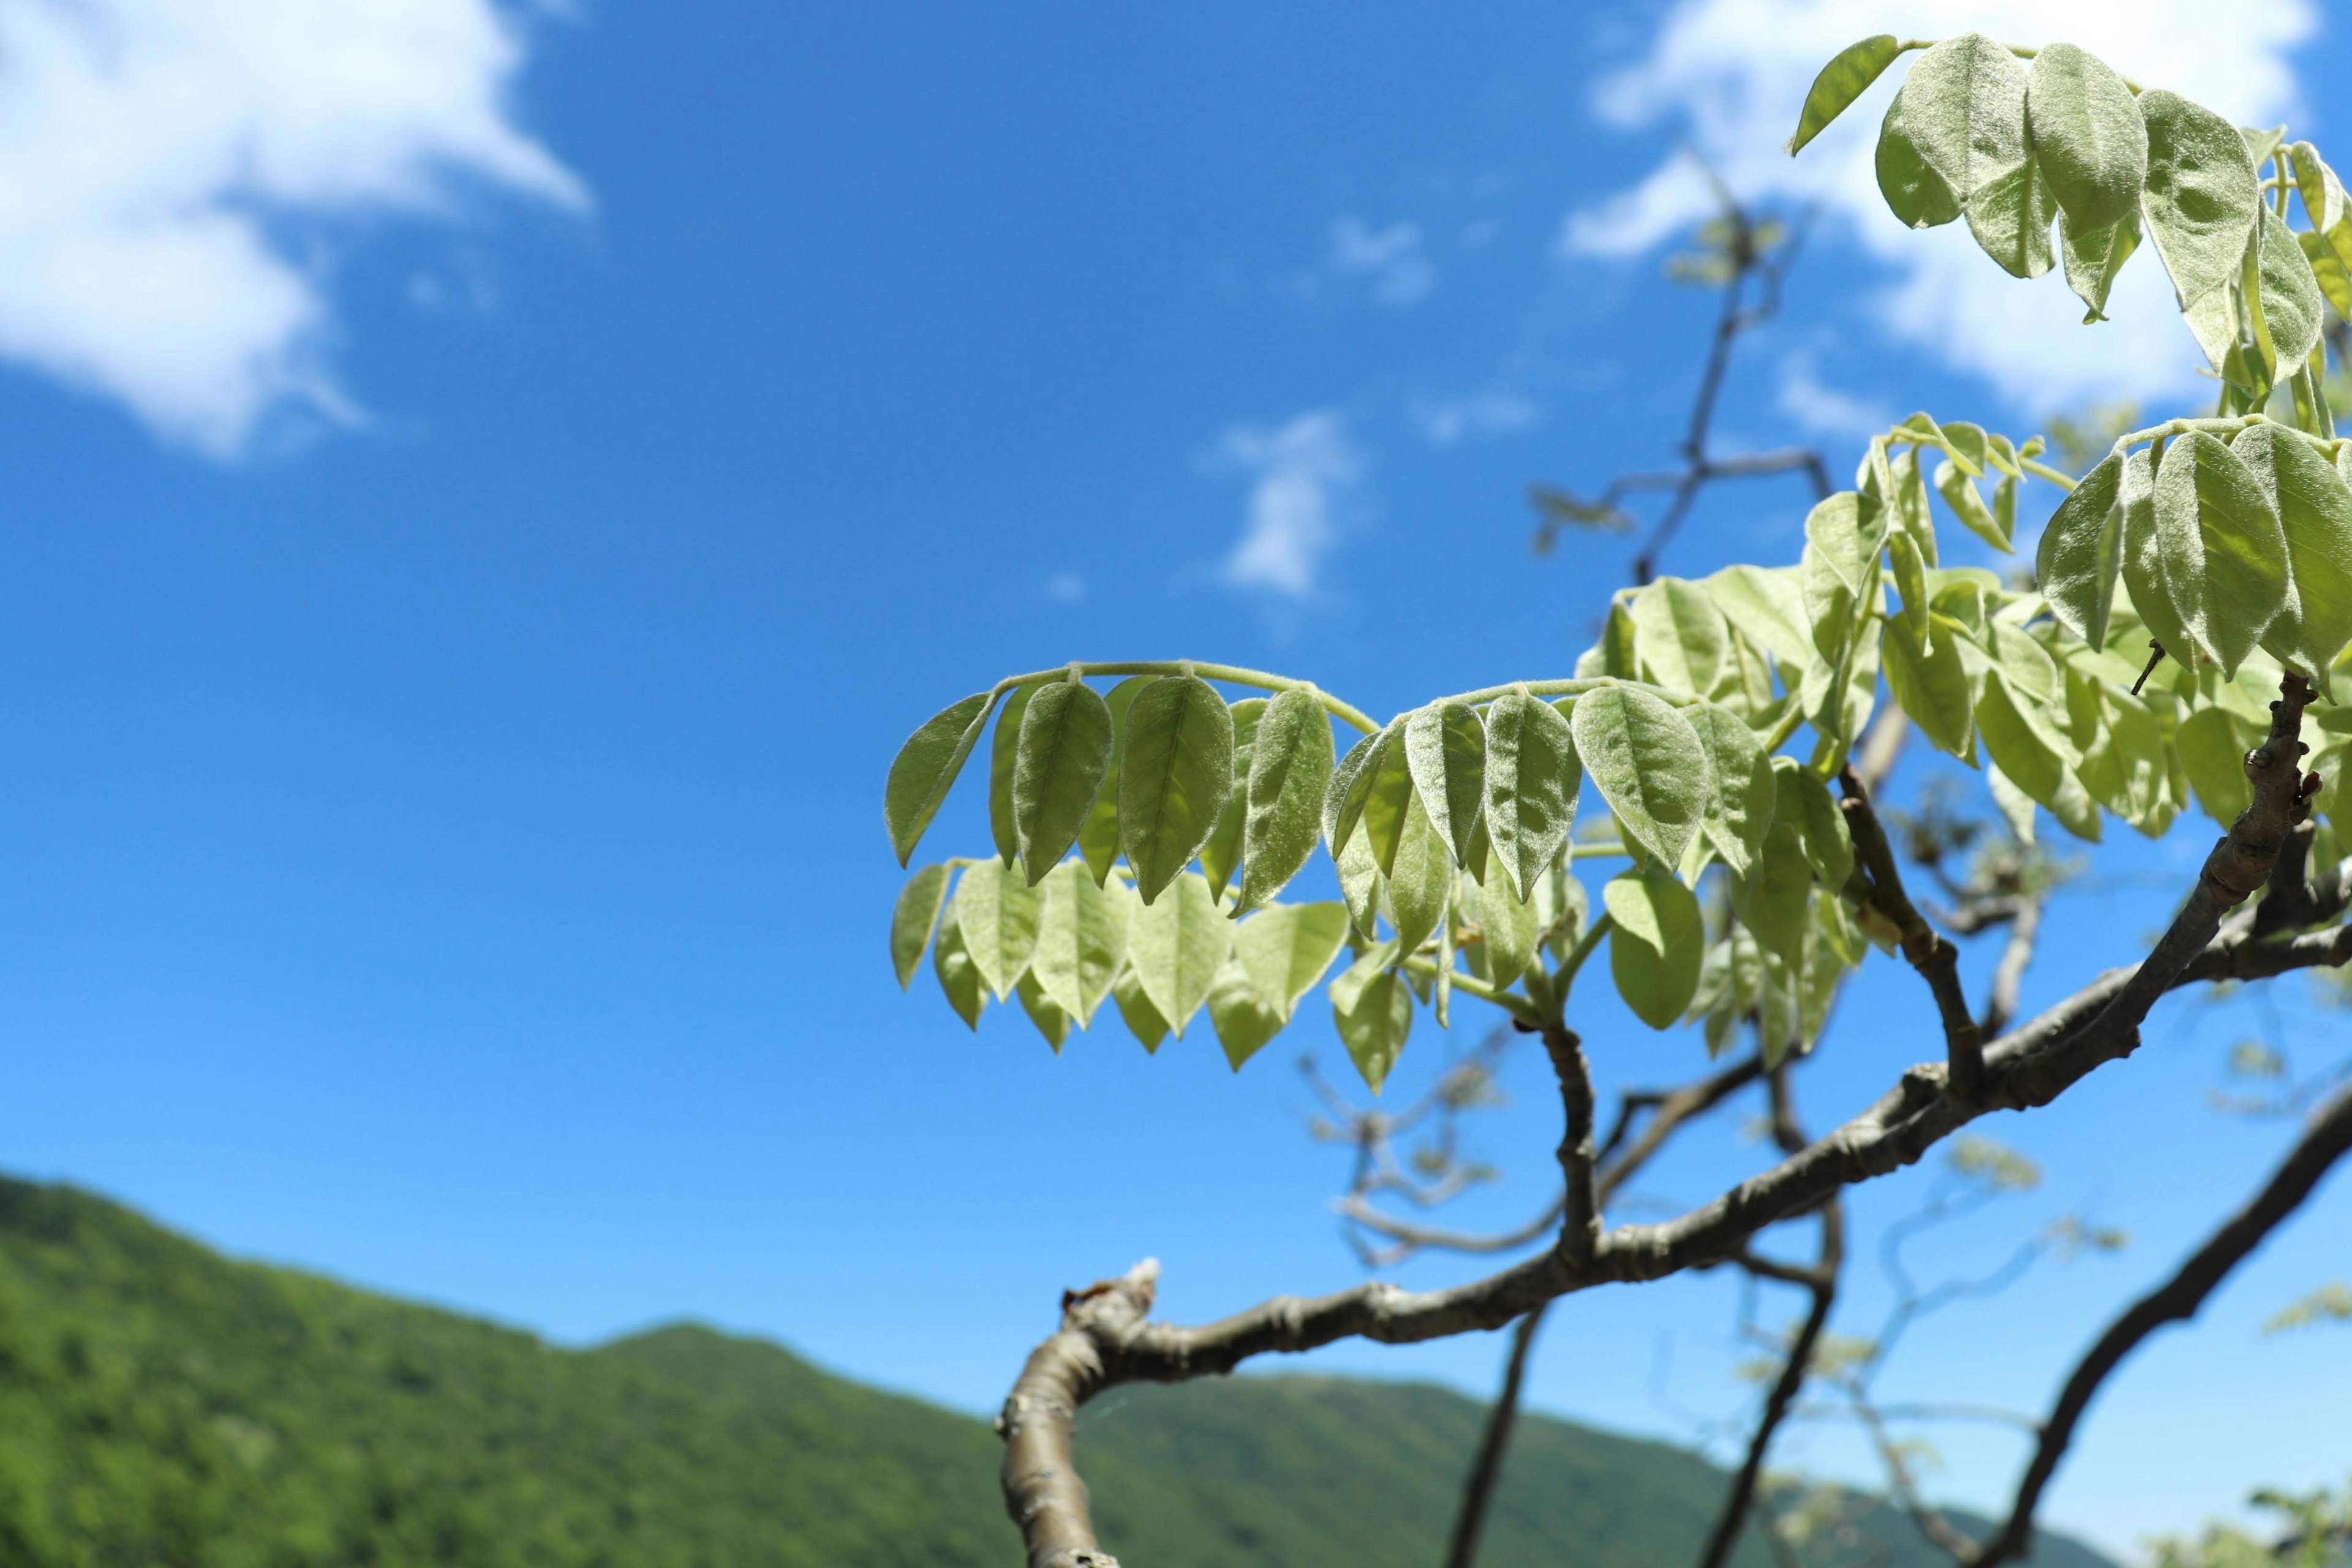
(1655, 945)
(910, 922)
(1176, 946)
(1647, 761)
(2212, 754)
(1360, 885)
(1741, 794)
(1422, 881)
(1773, 896)
(997, 913)
(1916, 193)
(1051, 1021)
(2200, 198)
(2082, 553)
(1910, 575)
(1098, 839)
(1389, 795)
(2288, 309)
(2323, 202)
(1510, 925)
(1057, 771)
(2327, 268)
(1373, 1006)
(1445, 751)
(1142, 1019)
(2314, 510)
(1243, 1019)
(1842, 80)
(1681, 640)
(2094, 256)
(1081, 939)
(1220, 856)
(1343, 799)
(958, 977)
(2087, 136)
(2020, 740)
(1805, 802)
(1176, 768)
(1964, 108)
(2222, 550)
(1289, 773)
(1959, 493)
(1768, 608)
(1286, 949)
(2011, 218)
(1532, 778)
(1933, 686)
(926, 767)
(2143, 567)
(1004, 755)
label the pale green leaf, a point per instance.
(1244, 1020)
(1445, 752)
(2327, 269)
(1176, 946)
(1511, 926)
(2289, 310)
(1373, 1006)
(958, 977)
(1360, 885)
(1044, 1012)
(1916, 193)
(2213, 754)
(1841, 81)
(910, 922)
(925, 768)
(1532, 778)
(1655, 942)
(1286, 949)
(2081, 552)
(1963, 107)
(1142, 1019)
(1933, 688)
(2323, 202)
(1681, 639)
(1421, 882)
(2095, 256)
(1057, 771)
(1220, 856)
(1289, 773)
(1773, 896)
(2200, 198)
(2315, 512)
(1081, 939)
(1910, 573)
(1647, 762)
(2143, 566)
(1176, 768)
(1741, 794)
(2010, 216)
(2022, 740)
(997, 913)
(1004, 752)
(1768, 607)
(1960, 493)
(2224, 552)
(1804, 802)
(1098, 839)
(2015, 805)
(2087, 136)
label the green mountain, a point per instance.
(162, 1406)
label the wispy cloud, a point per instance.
(1391, 263)
(1298, 471)
(1486, 414)
(1824, 410)
(1732, 73)
(161, 158)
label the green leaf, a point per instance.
(1740, 794)
(1220, 856)
(1773, 897)
(1647, 762)
(2023, 742)
(2011, 218)
(1289, 773)
(1287, 948)
(2289, 310)
(958, 977)
(926, 767)
(2082, 554)
(2323, 202)
(1422, 881)
(1963, 107)
(1655, 945)
(1044, 1012)
(1359, 884)
(2143, 567)
(1510, 924)
(1176, 768)
(1959, 493)
(2094, 256)
(1176, 946)
(1909, 514)
(1098, 839)
(2213, 752)
(2314, 510)
(1910, 575)
(2026, 663)
(1915, 193)
(1374, 794)
(1244, 1020)
(997, 913)
(1445, 752)
(1681, 639)
(1533, 775)
(2087, 136)
(1343, 800)
(1842, 80)
(1840, 567)
(1373, 1006)
(2327, 269)
(1933, 688)
(1805, 802)
(1143, 1020)
(2200, 198)
(2224, 552)
(1081, 939)
(2015, 805)
(1004, 755)
(1561, 910)
(1768, 608)
(910, 922)
(1057, 771)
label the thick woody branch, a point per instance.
(1927, 950)
(2323, 1143)
(1105, 1339)
(1580, 1230)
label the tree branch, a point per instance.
(1936, 959)
(1042, 1488)
(2009, 975)
(1470, 1522)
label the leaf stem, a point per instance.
(1565, 975)
(1471, 985)
(2045, 471)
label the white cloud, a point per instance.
(1298, 471)
(1824, 410)
(154, 155)
(1390, 261)
(1734, 71)
(1486, 414)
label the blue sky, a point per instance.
(467, 579)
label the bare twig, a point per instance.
(1936, 959)
(1470, 1521)
(2009, 975)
